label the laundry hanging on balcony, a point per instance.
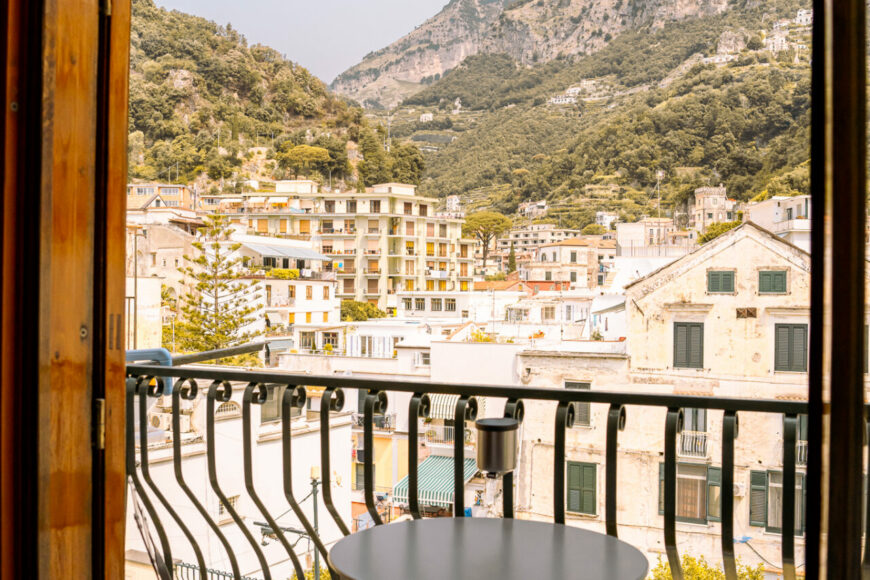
(435, 482)
(444, 406)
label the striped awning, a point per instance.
(444, 406)
(435, 482)
(258, 199)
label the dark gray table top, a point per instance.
(475, 548)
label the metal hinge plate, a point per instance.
(100, 423)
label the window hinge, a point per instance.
(106, 7)
(100, 423)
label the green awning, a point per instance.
(435, 481)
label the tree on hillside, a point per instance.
(353, 311)
(216, 311)
(716, 229)
(512, 260)
(593, 230)
(486, 226)
(303, 158)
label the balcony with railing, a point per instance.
(623, 411)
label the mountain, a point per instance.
(702, 100)
(529, 31)
(207, 108)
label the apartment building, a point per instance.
(381, 241)
(583, 262)
(527, 238)
(147, 195)
(653, 236)
(787, 217)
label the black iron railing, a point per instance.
(142, 385)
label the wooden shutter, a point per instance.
(588, 488)
(696, 345)
(782, 347)
(304, 226)
(282, 226)
(681, 344)
(799, 347)
(575, 480)
(779, 279)
(758, 498)
(714, 480)
(765, 282)
(714, 281)
(727, 281)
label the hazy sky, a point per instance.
(324, 36)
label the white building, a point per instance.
(787, 217)
(527, 238)
(606, 219)
(804, 17)
(454, 203)
(533, 209)
(563, 100)
(583, 262)
(479, 307)
(426, 117)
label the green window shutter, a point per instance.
(782, 338)
(727, 281)
(696, 346)
(765, 282)
(799, 348)
(661, 489)
(758, 498)
(681, 345)
(575, 483)
(588, 488)
(714, 494)
(779, 279)
(714, 281)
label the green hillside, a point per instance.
(657, 107)
(201, 98)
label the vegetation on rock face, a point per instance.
(716, 229)
(200, 98)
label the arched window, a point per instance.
(228, 410)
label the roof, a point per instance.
(435, 481)
(487, 285)
(285, 252)
(712, 243)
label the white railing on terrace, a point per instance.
(444, 435)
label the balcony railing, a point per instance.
(693, 444)
(386, 422)
(444, 435)
(216, 385)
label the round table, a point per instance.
(475, 548)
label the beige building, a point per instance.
(147, 195)
(528, 238)
(381, 241)
(583, 262)
(710, 205)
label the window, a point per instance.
(548, 313)
(309, 292)
(306, 340)
(308, 317)
(330, 338)
(430, 230)
(375, 206)
(573, 257)
(698, 492)
(548, 275)
(765, 500)
(409, 228)
(408, 208)
(790, 352)
(326, 292)
(450, 304)
(326, 317)
(720, 281)
(329, 207)
(359, 484)
(442, 230)
(436, 305)
(419, 304)
(689, 345)
(581, 488)
(573, 276)
(772, 282)
(351, 207)
(582, 411)
(423, 359)
(406, 303)
(270, 410)
(424, 210)
(223, 512)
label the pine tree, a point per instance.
(219, 306)
(512, 260)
